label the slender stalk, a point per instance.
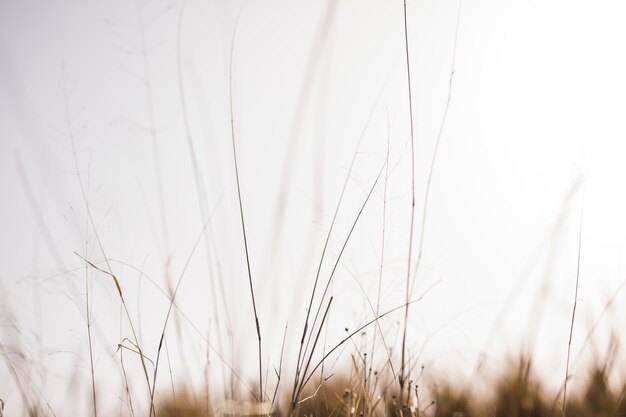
(169, 310)
(88, 307)
(380, 271)
(571, 329)
(127, 393)
(433, 159)
(280, 367)
(363, 411)
(317, 336)
(402, 375)
(88, 319)
(169, 365)
(411, 283)
(243, 223)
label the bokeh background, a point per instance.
(115, 143)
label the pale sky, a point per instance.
(536, 121)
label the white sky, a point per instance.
(536, 117)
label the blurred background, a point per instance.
(116, 148)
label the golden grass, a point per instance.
(516, 392)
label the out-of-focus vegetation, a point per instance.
(516, 391)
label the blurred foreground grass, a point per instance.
(516, 391)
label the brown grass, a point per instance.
(516, 391)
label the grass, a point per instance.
(516, 391)
(364, 380)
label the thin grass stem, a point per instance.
(402, 376)
(243, 223)
(169, 310)
(571, 330)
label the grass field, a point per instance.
(306, 209)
